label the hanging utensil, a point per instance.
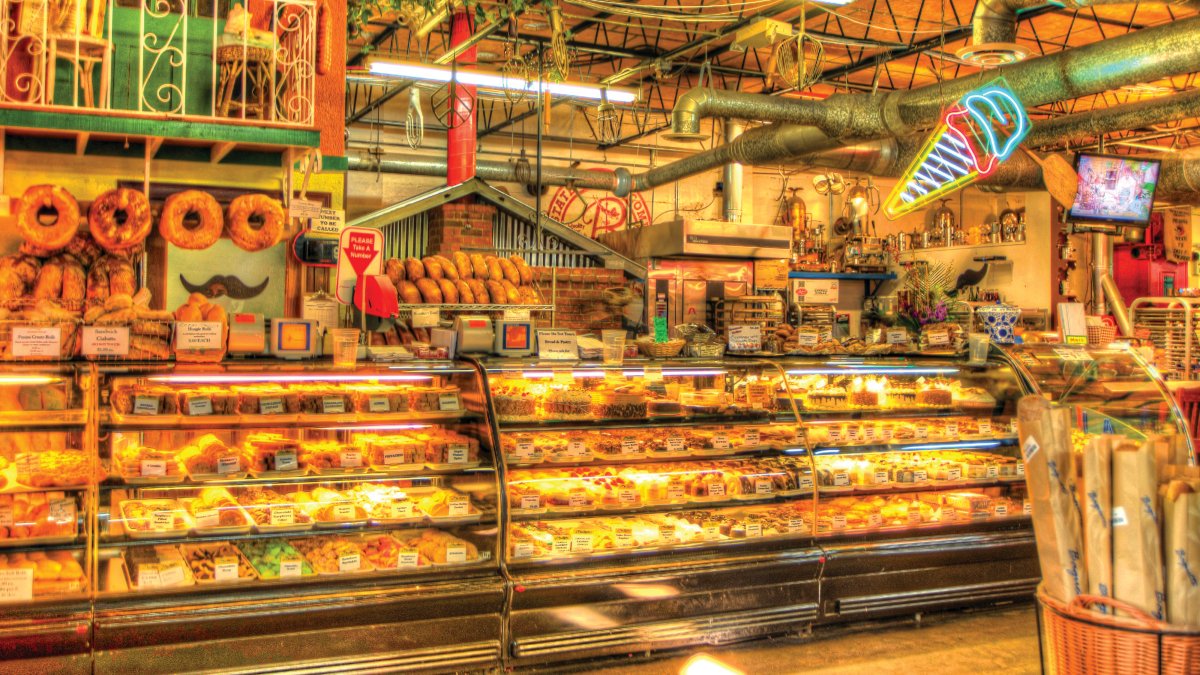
(414, 119)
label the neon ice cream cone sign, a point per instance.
(975, 136)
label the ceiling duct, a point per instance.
(1143, 56)
(499, 172)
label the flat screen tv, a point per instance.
(1116, 190)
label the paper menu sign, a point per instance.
(39, 342)
(426, 317)
(1072, 322)
(745, 338)
(291, 569)
(816, 291)
(199, 335)
(105, 341)
(16, 585)
(225, 569)
(557, 344)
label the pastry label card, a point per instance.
(36, 342)
(378, 404)
(426, 317)
(16, 585)
(282, 516)
(349, 562)
(408, 559)
(225, 569)
(557, 344)
(897, 336)
(106, 341)
(270, 406)
(291, 569)
(745, 338)
(200, 406)
(153, 467)
(171, 576)
(458, 507)
(228, 464)
(199, 335)
(456, 553)
(285, 460)
(145, 405)
(531, 502)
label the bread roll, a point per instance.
(215, 313)
(495, 271)
(528, 295)
(121, 278)
(510, 291)
(433, 268)
(497, 293)
(414, 268)
(408, 293)
(188, 313)
(479, 290)
(463, 262)
(394, 269)
(523, 269)
(479, 266)
(49, 282)
(449, 290)
(510, 271)
(97, 285)
(74, 282)
(430, 291)
(448, 269)
(465, 295)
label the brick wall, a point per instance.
(460, 225)
(578, 301)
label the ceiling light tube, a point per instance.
(498, 81)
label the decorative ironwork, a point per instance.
(24, 25)
(163, 44)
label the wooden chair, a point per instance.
(84, 53)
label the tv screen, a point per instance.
(1118, 190)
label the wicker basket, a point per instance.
(1100, 335)
(660, 350)
(1078, 640)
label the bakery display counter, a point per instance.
(361, 501)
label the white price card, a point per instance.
(400, 510)
(456, 553)
(145, 405)
(835, 434)
(225, 569)
(581, 542)
(458, 453)
(753, 530)
(378, 404)
(954, 474)
(666, 534)
(227, 464)
(270, 406)
(516, 315)
(839, 521)
(524, 450)
(36, 342)
(62, 510)
(283, 515)
(914, 516)
(171, 576)
(349, 562)
(408, 559)
(557, 344)
(285, 460)
(764, 486)
(343, 512)
(448, 403)
(199, 335)
(897, 336)
(745, 338)
(530, 502)
(676, 444)
(992, 471)
(676, 492)
(1074, 354)
(561, 544)
(881, 478)
(201, 405)
(952, 430)
(796, 525)
(938, 338)
(920, 476)
(154, 467)
(720, 441)
(716, 489)
(806, 483)
(623, 537)
(6, 515)
(985, 427)
(16, 585)
(576, 448)
(333, 405)
(350, 459)
(577, 499)
(426, 317)
(148, 576)
(922, 432)
(162, 520)
(630, 446)
(393, 456)
(627, 496)
(208, 518)
(753, 438)
(1001, 510)
(291, 568)
(874, 520)
(712, 530)
(458, 507)
(105, 341)
(841, 479)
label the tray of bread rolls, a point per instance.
(475, 282)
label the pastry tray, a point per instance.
(268, 475)
(482, 557)
(186, 548)
(220, 530)
(174, 533)
(333, 470)
(564, 459)
(364, 565)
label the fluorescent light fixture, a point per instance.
(500, 82)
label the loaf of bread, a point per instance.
(433, 268)
(462, 261)
(495, 271)
(528, 295)
(479, 290)
(394, 269)
(497, 293)
(510, 271)
(510, 291)
(449, 291)
(465, 296)
(449, 271)
(408, 293)
(479, 266)
(431, 292)
(523, 269)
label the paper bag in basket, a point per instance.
(1181, 510)
(1096, 499)
(1137, 553)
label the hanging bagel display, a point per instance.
(40, 202)
(256, 222)
(120, 219)
(174, 226)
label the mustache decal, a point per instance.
(225, 284)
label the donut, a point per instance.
(448, 268)
(241, 216)
(465, 295)
(173, 226)
(463, 262)
(414, 268)
(430, 291)
(408, 293)
(120, 219)
(449, 291)
(479, 291)
(433, 268)
(496, 292)
(495, 271)
(44, 201)
(479, 266)
(510, 271)
(523, 269)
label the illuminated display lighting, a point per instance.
(501, 82)
(975, 136)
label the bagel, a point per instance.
(510, 291)
(511, 274)
(463, 262)
(495, 271)
(479, 291)
(172, 223)
(120, 219)
(394, 269)
(244, 233)
(42, 198)
(496, 293)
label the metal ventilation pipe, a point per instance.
(994, 32)
(1147, 55)
(502, 172)
(732, 192)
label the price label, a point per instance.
(881, 478)
(105, 341)
(393, 456)
(426, 317)
(841, 479)
(1012, 426)
(764, 486)
(225, 568)
(1119, 517)
(954, 474)
(874, 520)
(922, 431)
(578, 498)
(675, 492)
(630, 446)
(716, 489)
(948, 515)
(712, 531)
(270, 406)
(148, 576)
(401, 509)
(623, 537)
(839, 521)
(61, 511)
(1021, 469)
(350, 459)
(409, 559)
(162, 520)
(666, 534)
(6, 515)
(208, 518)
(1001, 510)
(557, 344)
(291, 568)
(753, 530)
(448, 402)
(869, 433)
(332, 405)
(745, 338)
(343, 512)
(378, 404)
(992, 471)
(796, 525)
(753, 438)
(1027, 507)
(938, 338)
(720, 441)
(561, 545)
(171, 576)
(521, 549)
(581, 542)
(576, 448)
(529, 502)
(199, 335)
(985, 427)
(36, 342)
(897, 336)
(806, 483)
(349, 562)
(920, 476)
(227, 464)
(886, 433)
(852, 434)
(285, 460)
(808, 339)
(676, 444)
(456, 553)
(145, 405)
(154, 467)
(914, 516)
(458, 453)
(283, 515)
(200, 406)
(516, 315)
(459, 507)
(835, 434)
(524, 449)
(952, 429)
(627, 496)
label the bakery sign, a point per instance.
(816, 291)
(593, 213)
